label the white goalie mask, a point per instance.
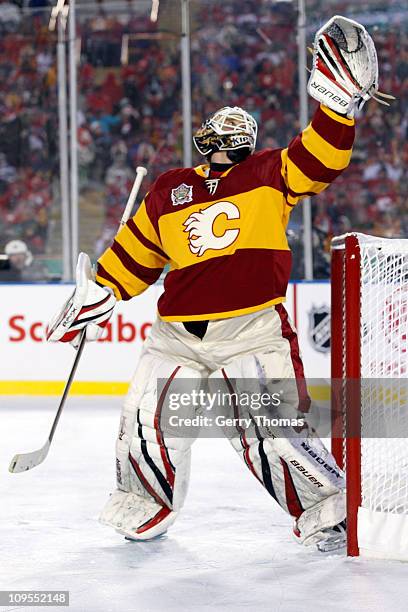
(228, 129)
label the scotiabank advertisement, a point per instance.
(26, 356)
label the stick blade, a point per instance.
(28, 461)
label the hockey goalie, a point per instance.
(221, 228)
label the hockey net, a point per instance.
(369, 383)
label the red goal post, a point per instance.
(369, 369)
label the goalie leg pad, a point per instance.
(152, 462)
(136, 517)
(310, 526)
(292, 464)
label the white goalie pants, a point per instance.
(153, 462)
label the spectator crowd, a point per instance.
(130, 109)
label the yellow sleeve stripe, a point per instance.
(335, 159)
(141, 219)
(121, 275)
(106, 283)
(138, 251)
(336, 117)
(299, 182)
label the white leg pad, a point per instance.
(294, 466)
(135, 516)
(152, 458)
(327, 513)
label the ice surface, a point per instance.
(231, 548)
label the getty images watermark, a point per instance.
(234, 402)
(283, 407)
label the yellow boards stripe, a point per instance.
(250, 220)
(328, 155)
(79, 387)
(56, 387)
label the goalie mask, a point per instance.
(230, 129)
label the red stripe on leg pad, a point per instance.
(158, 518)
(241, 431)
(292, 499)
(145, 482)
(290, 335)
(170, 471)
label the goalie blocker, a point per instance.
(90, 306)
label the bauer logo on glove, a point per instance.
(90, 306)
(345, 67)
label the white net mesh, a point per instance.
(384, 373)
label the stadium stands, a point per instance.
(130, 112)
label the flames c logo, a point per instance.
(200, 227)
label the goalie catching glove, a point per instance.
(345, 67)
(90, 306)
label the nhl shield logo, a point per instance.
(182, 194)
(319, 328)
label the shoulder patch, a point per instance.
(182, 194)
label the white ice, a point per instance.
(231, 548)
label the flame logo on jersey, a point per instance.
(202, 230)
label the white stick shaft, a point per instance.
(27, 461)
(140, 174)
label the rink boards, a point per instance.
(29, 365)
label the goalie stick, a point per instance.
(26, 461)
